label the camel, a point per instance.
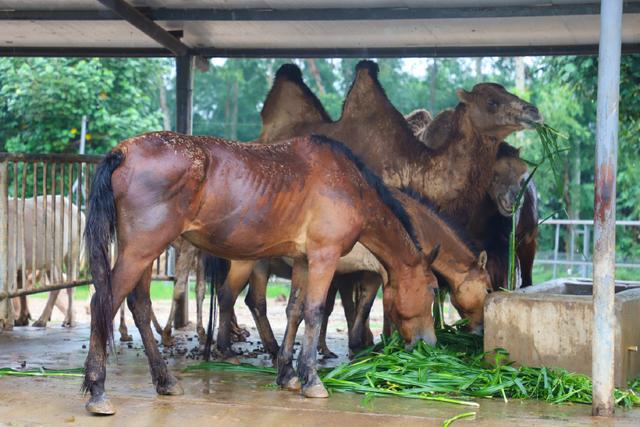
(58, 246)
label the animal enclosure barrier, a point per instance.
(43, 206)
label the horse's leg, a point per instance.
(256, 300)
(346, 286)
(322, 266)
(227, 294)
(139, 302)
(360, 335)
(124, 332)
(200, 291)
(287, 377)
(184, 261)
(129, 269)
(323, 349)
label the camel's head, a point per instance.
(494, 111)
(469, 296)
(510, 174)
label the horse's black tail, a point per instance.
(216, 271)
(98, 234)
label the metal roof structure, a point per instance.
(311, 28)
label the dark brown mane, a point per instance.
(452, 223)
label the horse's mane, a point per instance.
(374, 181)
(460, 232)
(293, 74)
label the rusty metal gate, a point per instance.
(43, 203)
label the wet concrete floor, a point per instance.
(223, 398)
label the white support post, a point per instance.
(605, 207)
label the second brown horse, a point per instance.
(307, 198)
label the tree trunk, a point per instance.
(166, 116)
(313, 68)
(234, 111)
(433, 83)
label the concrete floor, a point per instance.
(226, 399)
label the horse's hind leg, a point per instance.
(322, 265)
(360, 335)
(124, 332)
(139, 302)
(256, 300)
(200, 291)
(323, 349)
(227, 295)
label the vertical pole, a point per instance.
(6, 309)
(556, 248)
(604, 236)
(184, 112)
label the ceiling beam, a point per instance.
(153, 30)
(417, 52)
(323, 14)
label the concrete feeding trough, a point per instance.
(551, 325)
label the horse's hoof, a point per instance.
(100, 405)
(293, 384)
(39, 324)
(167, 339)
(328, 354)
(315, 391)
(174, 389)
(126, 338)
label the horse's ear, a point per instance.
(464, 96)
(433, 254)
(482, 260)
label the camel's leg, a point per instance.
(526, 252)
(200, 291)
(139, 302)
(287, 377)
(256, 300)
(124, 332)
(322, 265)
(360, 335)
(184, 260)
(23, 315)
(323, 349)
(48, 309)
(239, 273)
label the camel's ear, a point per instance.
(464, 96)
(482, 260)
(433, 254)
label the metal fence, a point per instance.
(43, 202)
(577, 236)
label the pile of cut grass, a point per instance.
(455, 371)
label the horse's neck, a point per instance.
(387, 239)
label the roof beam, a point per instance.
(153, 30)
(417, 52)
(324, 14)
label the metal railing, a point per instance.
(578, 240)
(43, 203)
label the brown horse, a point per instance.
(308, 198)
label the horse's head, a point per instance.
(408, 301)
(494, 111)
(510, 174)
(469, 296)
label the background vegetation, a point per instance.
(43, 100)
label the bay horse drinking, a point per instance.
(308, 198)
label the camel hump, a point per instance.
(366, 96)
(369, 66)
(439, 131)
(418, 121)
(289, 104)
